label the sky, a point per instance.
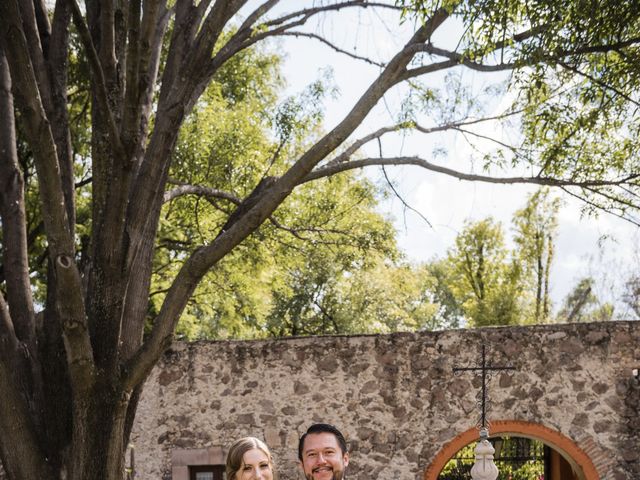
(603, 247)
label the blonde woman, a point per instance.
(249, 459)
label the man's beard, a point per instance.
(337, 475)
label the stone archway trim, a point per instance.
(559, 442)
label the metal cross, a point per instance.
(485, 369)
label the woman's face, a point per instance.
(255, 465)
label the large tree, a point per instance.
(72, 366)
(535, 231)
(485, 279)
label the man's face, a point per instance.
(322, 458)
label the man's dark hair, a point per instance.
(323, 428)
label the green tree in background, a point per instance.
(382, 297)
(583, 305)
(485, 279)
(535, 230)
(508, 459)
(631, 295)
(491, 284)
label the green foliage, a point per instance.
(535, 230)
(575, 76)
(325, 265)
(460, 466)
(381, 298)
(486, 282)
(583, 305)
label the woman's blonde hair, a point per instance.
(237, 451)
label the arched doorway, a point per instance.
(573, 454)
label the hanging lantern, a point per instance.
(483, 467)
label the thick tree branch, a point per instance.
(186, 189)
(259, 12)
(16, 423)
(71, 312)
(29, 102)
(30, 29)
(132, 106)
(98, 78)
(177, 96)
(151, 49)
(57, 65)
(14, 220)
(212, 27)
(61, 243)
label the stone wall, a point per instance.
(394, 396)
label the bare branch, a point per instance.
(456, 58)
(332, 169)
(249, 35)
(355, 146)
(434, 67)
(309, 12)
(402, 200)
(464, 60)
(511, 148)
(331, 45)
(604, 48)
(600, 208)
(612, 198)
(426, 69)
(556, 56)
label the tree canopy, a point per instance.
(91, 212)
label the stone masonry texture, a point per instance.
(395, 396)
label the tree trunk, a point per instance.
(99, 443)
